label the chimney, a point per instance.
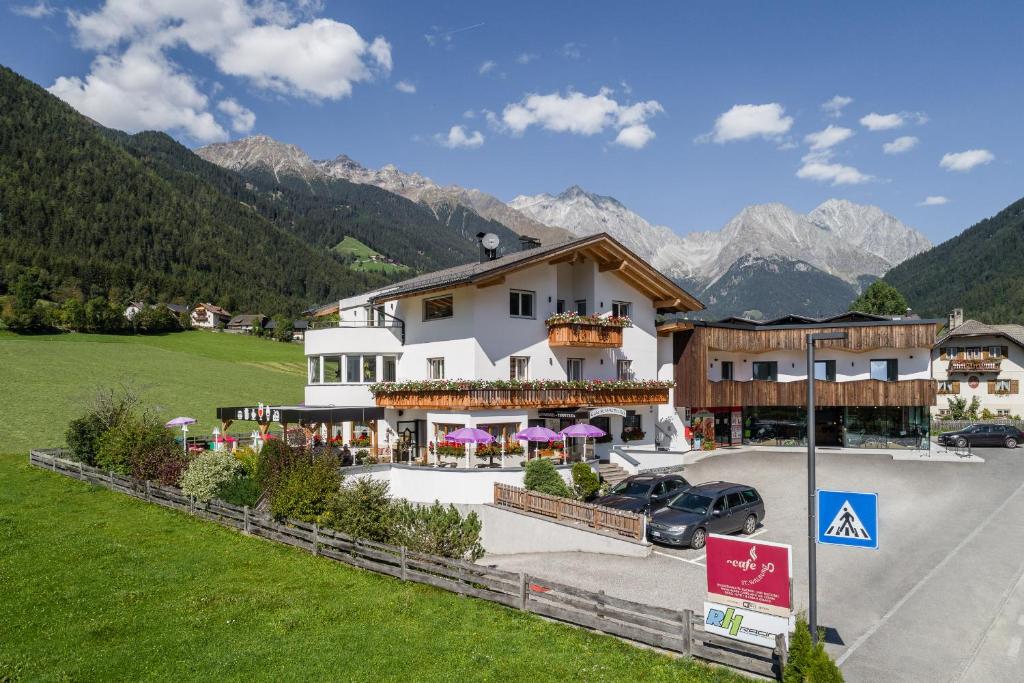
(527, 242)
(956, 318)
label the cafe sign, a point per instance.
(261, 413)
(601, 412)
(752, 575)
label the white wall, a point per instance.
(1011, 368)
(460, 486)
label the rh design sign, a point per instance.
(746, 625)
(753, 575)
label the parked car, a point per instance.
(715, 507)
(643, 492)
(983, 435)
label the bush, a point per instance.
(109, 409)
(808, 662)
(305, 490)
(162, 461)
(241, 490)
(207, 474)
(438, 530)
(541, 476)
(362, 509)
(585, 482)
(275, 458)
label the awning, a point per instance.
(295, 414)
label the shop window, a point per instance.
(766, 370)
(438, 307)
(520, 303)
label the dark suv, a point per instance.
(983, 435)
(715, 507)
(643, 492)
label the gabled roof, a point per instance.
(603, 249)
(175, 308)
(247, 319)
(216, 310)
(973, 328)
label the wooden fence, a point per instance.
(660, 627)
(598, 517)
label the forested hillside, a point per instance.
(980, 270)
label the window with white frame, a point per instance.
(945, 386)
(973, 352)
(332, 368)
(435, 368)
(621, 309)
(574, 369)
(519, 368)
(438, 307)
(369, 369)
(314, 370)
(1002, 412)
(352, 365)
(624, 369)
(996, 351)
(1002, 386)
(520, 303)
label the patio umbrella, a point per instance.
(536, 434)
(583, 431)
(468, 435)
(182, 422)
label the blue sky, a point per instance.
(685, 112)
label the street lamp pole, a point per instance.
(812, 523)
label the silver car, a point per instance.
(713, 507)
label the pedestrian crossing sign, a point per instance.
(848, 518)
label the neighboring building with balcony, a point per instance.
(872, 389)
(548, 335)
(974, 359)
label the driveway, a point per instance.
(942, 599)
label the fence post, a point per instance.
(687, 634)
(53, 463)
(147, 490)
(110, 479)
(245, 519)
(524, 590)
(781, 651)
(81, 471)
(404, 570)
(316, 539)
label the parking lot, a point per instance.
(942, 599)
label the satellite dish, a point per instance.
(490, 241)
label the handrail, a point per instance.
(599, 517)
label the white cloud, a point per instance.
(900, 145)
(583, 115)
(875, 121)
(745, 121)
(140, 90)
(965, 161)
(934, 200)
(487, 67)
(406, 87)
(835, 106)
(836, 174)
(37, 11)
(458, 137)
(572, 51)
(831, 136)
(526, 58)
(242, 118)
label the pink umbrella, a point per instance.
(468, 435)
(536, 434)
(583, 431)
(182, 422)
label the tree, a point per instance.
(880, 298)
(960, 409)
(283, 328)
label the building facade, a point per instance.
(547, 336)
(976, 360)
(209, 317)
(873, 389)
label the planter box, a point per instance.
(589, 336)
(521, 398)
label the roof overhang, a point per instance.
(297, 414)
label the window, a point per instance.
(945, 386)
(369, 369)
(519, 368)
(435, 368)
(997, 351)
(352, 364)
(632, 422)
(621, 309)
(750, 496)
(676, 484)
(560, 306)
(438, 307)
(1002, 412)
(574, 369)
(884, 369)
(379, 317)
(973, 352)
(726, 369)
(735, 500)
(719, 506)
(581, 306)
(314, 370)
(660, 489)
(825, 370)
(520, 303)
(624, 369)
(767, 370)
(389, 369)
(332, 368)
(1002, 386)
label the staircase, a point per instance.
(611, 473)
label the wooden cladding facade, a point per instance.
(487, 399)
(588, 336)
(865, 392)
(859, 338)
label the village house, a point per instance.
(246, 323)
(209, 317)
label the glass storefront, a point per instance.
(889, 427)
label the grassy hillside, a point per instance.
(980, 270)
(361, 257)
(99, 586)
(48, 380)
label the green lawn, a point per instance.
(50, 379)
(100, 586)
(362, 255)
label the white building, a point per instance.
(209, 316)
(477, 345)
(976, 360)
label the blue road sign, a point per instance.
(848, 518)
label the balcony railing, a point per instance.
(579, 335)
(974, 365)
(390, 322)
(449, 397)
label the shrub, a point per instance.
(207, 474)
(362, 509)
(161, 461)
(438, 530)
(541, 476)
(109, 408)
(275, 458)
(808, 662)
(130, 440)
(305, 490)
(585, 482)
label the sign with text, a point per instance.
(754, 575)
(598, 412)
(746, 625)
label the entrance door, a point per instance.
(723, 428)
(410, 439)
(828, 426)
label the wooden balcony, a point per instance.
(487, 399)
(867, 392)
(974, 365)
(589, 336)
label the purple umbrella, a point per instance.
(583, 431)
(182, 422)
(536, 434)
(468, 435)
